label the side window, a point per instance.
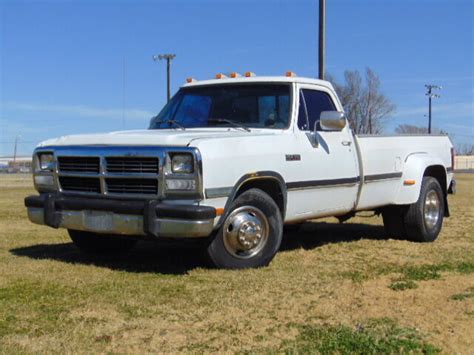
(315, 103)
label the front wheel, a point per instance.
(250, 235)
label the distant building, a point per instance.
(17, 165)
(464, 162)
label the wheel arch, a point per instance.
(270, 182)
(418, 166)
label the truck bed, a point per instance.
(384, 158)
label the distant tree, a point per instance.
(412, 129)
(366, 107)
(465, 149)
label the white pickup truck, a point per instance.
(233, 160)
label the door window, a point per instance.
(312, 103)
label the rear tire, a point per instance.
(250, 235)
(393, 221)
(421, 221)
(93, 243)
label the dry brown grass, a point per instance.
(163, 298)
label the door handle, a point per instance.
(346, 143)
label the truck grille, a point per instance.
(132, 186)
(117, 176)
(138, 165)
(80, 184)
(79, 164)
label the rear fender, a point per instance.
(413, 171)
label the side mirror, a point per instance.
(332, 120)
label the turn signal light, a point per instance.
(409, 182)
(248, 74)
(290, 74)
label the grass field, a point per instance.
(332, 288)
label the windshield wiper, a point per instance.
(231, 122)
(171, 122)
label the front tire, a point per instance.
(250, 235)
(421, 221)
(93, 243)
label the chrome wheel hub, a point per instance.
(245, 232)
(431, 209)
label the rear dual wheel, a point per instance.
(421, 221)
(250, 235)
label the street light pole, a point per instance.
(322, 38)
(431, 95)
(169, 58)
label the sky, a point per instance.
(71, 67)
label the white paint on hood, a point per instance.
(155, 137)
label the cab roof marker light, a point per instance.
(290, 74)
(235, 75)
(221, 76)
(190, 80)
(249, 74)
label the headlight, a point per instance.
(182, 163)
(46, 162)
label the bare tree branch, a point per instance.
(366, 107)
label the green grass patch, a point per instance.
(469, 293)
(48, 304)
(410, 274)
(403, 285)
(355, 276)
(377, 336)
(422, 273)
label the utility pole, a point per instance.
(123, 92)
(322, 38)
(431, 94)
(169, 58)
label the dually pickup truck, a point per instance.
(232, 160)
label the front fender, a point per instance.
(414, 169)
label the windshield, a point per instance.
(236, 105)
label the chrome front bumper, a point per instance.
(159, 220)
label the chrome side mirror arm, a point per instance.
(313, 136)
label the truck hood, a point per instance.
(162, 137)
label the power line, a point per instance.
(462, 134)
(12, 142)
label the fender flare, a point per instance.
(259, 175)
(414, 169)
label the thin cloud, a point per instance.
(426, 80)
(453, 110)
(82, 110)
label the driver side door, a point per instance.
(330, 174)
